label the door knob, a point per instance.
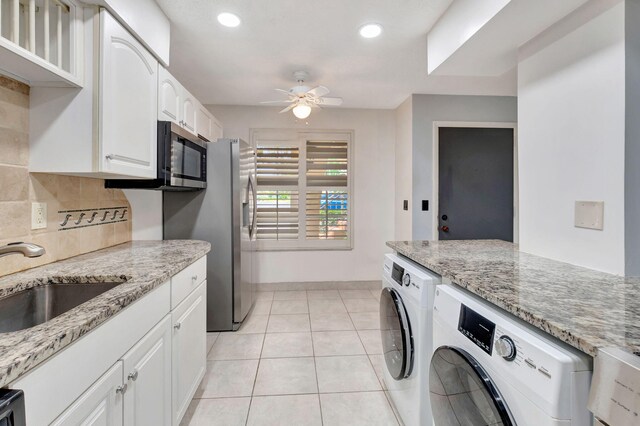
(444, 228)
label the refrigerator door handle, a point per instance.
(254, 214)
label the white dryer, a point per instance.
(406, 309)
(490, 368)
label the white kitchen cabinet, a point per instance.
(100, 405)
(107, 129)
(128, 94)
(216, 130)
(169, 97)
(189, 349)
(176, 104)
(147, 371)
(188, 111)
(204, 123)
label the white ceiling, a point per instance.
(242, 66)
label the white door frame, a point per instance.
(436, 171)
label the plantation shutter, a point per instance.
(278, 177)
(327, 195)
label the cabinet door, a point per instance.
(169, 97)
(147, 369)
(204, 123)
(216, 129)
(188, 111)
(100, 405)
(128, 109)
(189, 349)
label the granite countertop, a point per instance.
(141, 266)
(585, 308)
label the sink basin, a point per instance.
(40, 304)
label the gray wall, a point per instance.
(430, 108)
(632, 139)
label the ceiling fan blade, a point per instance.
(318, 91)
(330, 101)
(290, 107)
(276, 102)
(284, 91)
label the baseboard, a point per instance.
(321, 285)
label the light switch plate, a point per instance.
(38, 215)
(589, 214)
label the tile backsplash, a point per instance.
(62, 194)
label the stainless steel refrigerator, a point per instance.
(225, 215)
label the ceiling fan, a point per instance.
(302, 98)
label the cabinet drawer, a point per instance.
(187, 280)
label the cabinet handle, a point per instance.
(194, 278)
(126, 159)
(121, 389)
(133, 375)
(177, 326)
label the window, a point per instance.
(303, 189)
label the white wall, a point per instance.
(404, 167)
(146, 206)
(430, 108)
(374, 178)
(571, 123)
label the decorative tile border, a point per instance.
(84, 218)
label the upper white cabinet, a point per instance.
(188, 112)
(41, 42)
(108, 128)
(176, 104)
(128, 102)
(169, 97)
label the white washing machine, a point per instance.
(490, 368)
(406, 309)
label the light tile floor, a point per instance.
(301, 358)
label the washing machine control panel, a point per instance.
(506, 348)
(476, 328)
(397, 273)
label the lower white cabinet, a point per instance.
(100, 405)
(189, 349)
(141, 367)
(147, 374)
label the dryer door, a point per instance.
(462, 393)
(397, 341)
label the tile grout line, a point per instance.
(315, 366)
(255, 379)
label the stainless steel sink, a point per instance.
(40, 304)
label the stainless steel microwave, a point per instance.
(182, 162)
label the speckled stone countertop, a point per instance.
(582, 307)
(140, 265)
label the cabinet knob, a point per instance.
(133, 375)
(109, 156)
(194, 278)
(177, 326)
(121, 389)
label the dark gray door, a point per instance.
(475, 183)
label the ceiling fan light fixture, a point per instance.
(229, 19)
(302, 111)
(371, 30)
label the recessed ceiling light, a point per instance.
(229, 19)
(370, 30)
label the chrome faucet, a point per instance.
(25, 249)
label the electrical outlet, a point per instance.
(38, 215)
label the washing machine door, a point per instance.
(462, 393)
(397, 340)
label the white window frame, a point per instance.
(299, 138)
